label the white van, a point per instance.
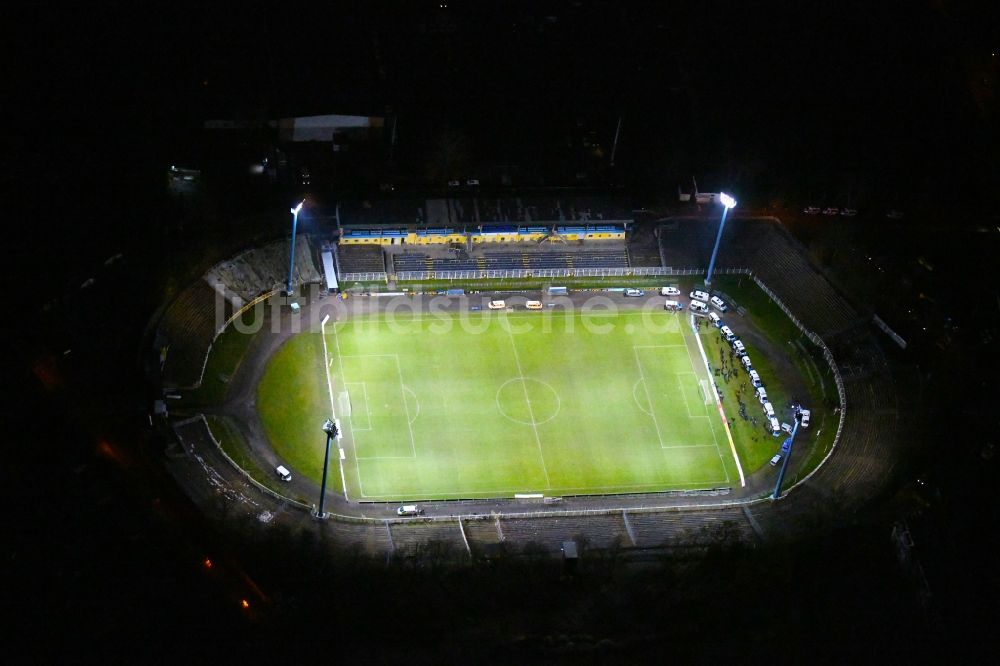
(739, 348)
(775, 460)
(409, 510)
(728, 334)
(533, 305)
(761, 394)
(745, 360)
(719, 304)
(497, 305)
(715, 319)
(768, 410)
(805, 414)
(283, 473)
(700, 296)
(673, 306)
(670, 291)
(634, 292)
(698, 306)
(775, 426)
(755, 379)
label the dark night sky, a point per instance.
(877, 92)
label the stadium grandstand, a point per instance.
(483, 261)
(474, 211)
(856, 470)
(193, 320)
(484, 233)
(764, 247)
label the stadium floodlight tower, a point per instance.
(332, 432)
(291, 259)
(727, 203)
(786, 449)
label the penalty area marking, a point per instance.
(636, 398)
(407, 389)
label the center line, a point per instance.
(531, 412)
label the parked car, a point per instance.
(811, 210)
(848, 212)
(699, 295)
(831, 210)
(409, 510)
(775, 460)
(635, 292)
(670, 291)
(895, 214)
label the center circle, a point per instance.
(528, 401)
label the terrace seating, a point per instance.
(481, 533)
(773, 256)
(188, 328)
(361, 259)
(190, 323)
(599, 531)
(408, 537)
(805, 510)
(370, 538)
(260, 270)
(865, 458)
(690, 527)
(415, 261)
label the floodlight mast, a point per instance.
(291, 260)
(727, 203)
(330, 428)
(788, 454)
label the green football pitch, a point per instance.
(494, 404)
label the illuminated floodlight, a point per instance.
(729, 203)
(291, 253)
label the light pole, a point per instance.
(291, 260)
(330, 428)
(727, 203)
(786, 448)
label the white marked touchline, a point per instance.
(354, 444)
(531, 412)
(718, 403)
(329, 388)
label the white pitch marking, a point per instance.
(531, 412)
